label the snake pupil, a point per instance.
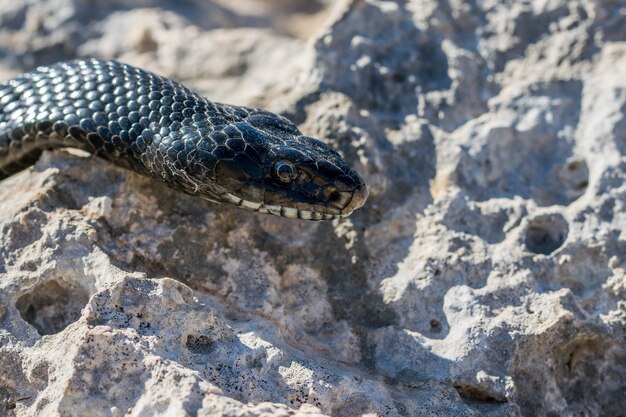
(285, 171)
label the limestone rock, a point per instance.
(486, 275)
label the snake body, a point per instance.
(242, 156)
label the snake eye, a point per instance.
(285, 171)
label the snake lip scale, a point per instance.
(289, 212)
(241, 156)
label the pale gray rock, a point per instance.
(486, 275)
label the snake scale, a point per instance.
(242, 156)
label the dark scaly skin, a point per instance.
(154, 126)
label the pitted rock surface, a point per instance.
(484, 277)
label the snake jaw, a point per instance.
(282, 211)
(250, 205)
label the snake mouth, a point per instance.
(289, 212)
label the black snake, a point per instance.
(152, 125)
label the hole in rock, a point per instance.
(435, 326)
(477, 394)
(581, 186)
(546, 234)
(574, 179)
(50, 307)
(201, 345)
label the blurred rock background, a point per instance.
(485, 276)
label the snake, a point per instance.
(242, 156)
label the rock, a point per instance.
(484, 277)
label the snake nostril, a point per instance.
(334, 195)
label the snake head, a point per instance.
(277, 170)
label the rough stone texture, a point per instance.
(486, 276)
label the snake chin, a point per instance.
(289, 212)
